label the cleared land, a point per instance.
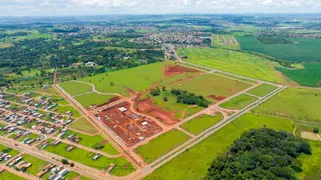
(199, 124)
(37, 164)
(225, 41)
(300, 50)
(239, 102)
(193, 164)
(93, 98)
(235, 62)
(161, 145)
(83, 125)
(262, 90)
(136, 79)
(75, 88)
(296, 103)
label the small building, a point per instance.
(90, 64)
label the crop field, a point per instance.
(136, 79)
(161, 145)
(84, 126)
(122, 168)
(239, 102)
(199, 124)
(75, 88)
(193, 163)
(93, 98)
(309, 75)
(262, 90)
(298, 102)
(211, 86)
(235, 62)
(308, 50)
(93, 141)
(225, 41)
(37, 164)
(9, 176)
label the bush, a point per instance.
(155, 92)
(316, 130)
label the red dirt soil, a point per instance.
(177, 69)
(218, 98)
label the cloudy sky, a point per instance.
(100, 7)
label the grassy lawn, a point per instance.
(262, 90)
(8, 150)
(65, 109)
(239, 102)
(37, 164)
(235, 62)
(9, 176)
(92, 141)
(75, 88)
(192, 110)
(161, 145)
(297, 102)
(122, 168)
(137, 79)
(211, 84)
(199, 124)
(193, 163)
(83, 125)
(89, 99)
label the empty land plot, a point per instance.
(9, 176)
(75, 88)
(211, 86)
(262, 90)
(84, 126)
(235, 62)
(122, 168)
(298, 102)
(225, 41)
(239, 102)
(136, 79)
(162, 145)
(199, 124)
(193, 163)
(92, 141)
(93, 98)
(65, 109)
(10, 151)
(37, 164)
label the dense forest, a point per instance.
(260, 154)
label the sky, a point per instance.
(104, 7)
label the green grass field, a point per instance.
(122, 168)
(75, 88)
(298, 102)
(211, 84)
(137, 79)
(262, 90)
(161, 145)
(310, 75)
(225, 41)
(239, 102)
(8, 150)
(89, 99)
(37, 164)
(9, 176)
(65, 109)
(235, 62)
(84, 126)
(192, 110)
(193, 163)
(301, 50)
(92, 141)
(199, 124)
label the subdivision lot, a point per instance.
(83, 125)
(193, 164)
(294, 103)
(8, 150)
(75, 88)
(201, 123)
(93, 99)
(239, 102)
(225, 41)
(262, 90)
(37, 164)
(161, 145)
(235, 62)
(9, 176)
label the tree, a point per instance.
(64, 161)
(155, 92)
(165, 99)
(111, 84)
(316, 130)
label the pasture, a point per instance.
(308, 50)
(93, 98)
(84, 126)
(161, 145)
(297, 102)
(199, 124)
(234, 62)
(262, 90)
(239, 102)
(75, 88)
(193, 163)
(37, 164)
(122, 81)
(225, 41)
